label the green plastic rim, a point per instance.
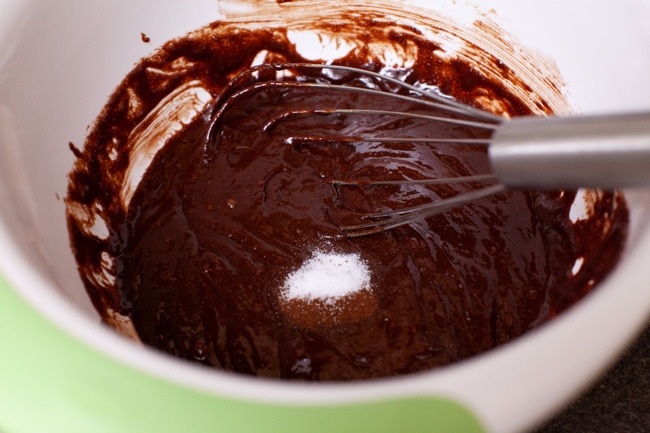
(50, 382)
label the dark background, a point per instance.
(618, 403)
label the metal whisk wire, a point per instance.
(248, 82)
(607, 151)
(251, 81)
(381, 221)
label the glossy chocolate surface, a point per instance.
(221, 218)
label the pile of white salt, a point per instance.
(328, 289)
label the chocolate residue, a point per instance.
(196, 257)
(75, 150)
(145, 38)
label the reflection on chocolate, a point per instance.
(198, 255)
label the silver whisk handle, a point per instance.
(608, 151)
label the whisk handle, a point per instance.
(600, 151)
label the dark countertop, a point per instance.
(617, 403)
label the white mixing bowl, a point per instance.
(60, 60)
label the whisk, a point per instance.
(530, 152)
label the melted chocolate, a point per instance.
(219, 221)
